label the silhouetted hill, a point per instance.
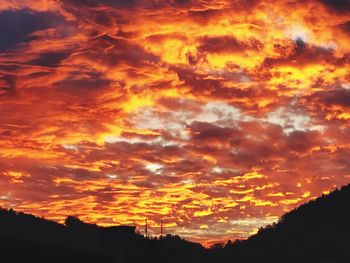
(37, 238)
(18, 250)
(318, 231)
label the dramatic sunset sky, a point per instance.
(214, 116)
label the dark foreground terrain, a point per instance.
(317, 232)
(16, 250)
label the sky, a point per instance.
(215, 117)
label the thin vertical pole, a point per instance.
(146, 228)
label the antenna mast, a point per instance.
(146, 228)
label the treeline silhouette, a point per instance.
(318, 231)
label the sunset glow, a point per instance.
(215, 117)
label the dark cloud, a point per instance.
(246, 5)
(111, 51)
(301, 54)
(338, 5)
(112, 3)
(345, 27)
(340, 97)
(182, 2)
(89, 85)
(7, 86)
(204, 85)
(193, 59)
(204, 16)
(203, 131)
(225, 44)
(300, 141)
(16, 26)
(50, 59)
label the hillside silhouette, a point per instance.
(27, 238)
(318, 231)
